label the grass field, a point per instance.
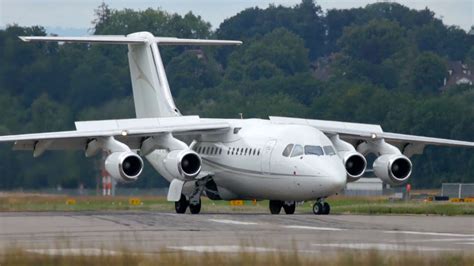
(339, 205)
(15, 256)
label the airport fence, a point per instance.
(457, 190)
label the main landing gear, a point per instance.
(321, 207)
(194, 205)
(276, 205)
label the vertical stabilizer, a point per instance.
(151, 91)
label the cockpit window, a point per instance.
(328, 150)
(297, 151)
(287, 150)
(313, 150)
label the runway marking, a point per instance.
(223, 221)
(313, 228)
(436, 240)
(73, 251)
(381, 246)
(427, 233)
(223, 249)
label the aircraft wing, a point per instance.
(354, 132)
(129, 131)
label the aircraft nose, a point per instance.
(337, 177)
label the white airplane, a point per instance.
(284, 160)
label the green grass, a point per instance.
(17, 256)
(339, 205)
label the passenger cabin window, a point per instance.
(313, 150)
(287, 150)
(328, 150)
(297, 151)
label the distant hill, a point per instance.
(67, 31)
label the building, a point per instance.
(458, 74)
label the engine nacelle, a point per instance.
(183, 164)
(355, 164)
(394, 169)
(124, 166)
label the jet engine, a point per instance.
(394, 169)
(355, 164)
(183, 164)
(124, 166)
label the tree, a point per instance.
(429, 72)
(279, 51)
(373, 42)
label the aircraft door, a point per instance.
(267, 156)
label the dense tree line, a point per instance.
(383, 64)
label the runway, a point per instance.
(233, 232)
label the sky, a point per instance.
(78, 14)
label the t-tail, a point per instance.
(151, 91)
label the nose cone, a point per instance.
(335, 176)
(338, 178)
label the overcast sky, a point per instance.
(79, 13)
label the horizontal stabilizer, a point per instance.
(86, 39)
(121, 39)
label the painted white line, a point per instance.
(381, 246)
(73, 251)
(427, 233)
(434, 240)
(221, 248)
(465, 243)
(313, 228)
(223, 221)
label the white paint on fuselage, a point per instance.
(259, 170)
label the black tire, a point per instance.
(318, 208)
(275, 206)
(181, 205)
(327, 208)
(289, 209)
(195, 208)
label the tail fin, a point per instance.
(151, 91)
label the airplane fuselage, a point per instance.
(249, 162)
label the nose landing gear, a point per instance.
(321, 207)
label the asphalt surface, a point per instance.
(152, 232)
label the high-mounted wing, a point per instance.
(353, 132)
(128, 131)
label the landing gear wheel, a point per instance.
(318, 208)
(326, 208)
(195, 208)
(289, 209)
(275, 206)
(181, 205)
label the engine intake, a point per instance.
(394, 169)
(183, 164)
(124, 166)
(355, 164)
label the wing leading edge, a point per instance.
(353, 132)
(129, 131)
